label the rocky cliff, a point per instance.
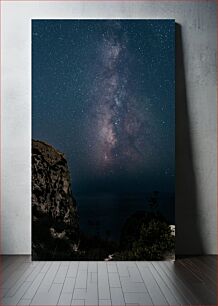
(55, 224)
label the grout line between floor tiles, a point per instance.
(174, 283)
(25, 280)
(147, 287)
(63, 284)
(120, 285)
(41, 282)
(108, 282)
(75, 283)
(54, 276)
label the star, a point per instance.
(103, 93)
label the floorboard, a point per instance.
(187, 281)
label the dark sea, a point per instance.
(105, 214)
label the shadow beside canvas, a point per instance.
(188, 234)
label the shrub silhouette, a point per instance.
(145, 236)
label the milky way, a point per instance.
(126, 130)
(103, 93)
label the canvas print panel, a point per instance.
(103, 147)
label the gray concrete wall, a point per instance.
(196, 202)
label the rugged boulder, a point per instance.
(55, 224)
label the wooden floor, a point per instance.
(190, 281)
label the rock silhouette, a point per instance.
(55, 223)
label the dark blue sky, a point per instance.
(103, 94)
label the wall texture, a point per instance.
(196, 203)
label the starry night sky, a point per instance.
(103, 94)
